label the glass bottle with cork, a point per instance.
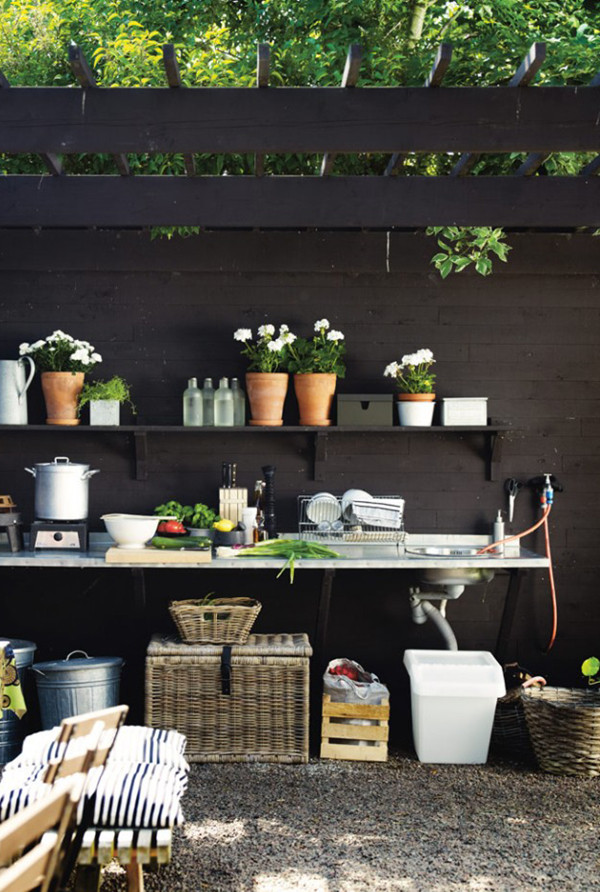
(260, 531)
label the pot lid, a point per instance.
(62, 465)
(78, 663)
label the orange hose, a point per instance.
(493, 545)
(552, 587)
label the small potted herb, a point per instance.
(105, 398)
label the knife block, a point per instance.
(232, 501)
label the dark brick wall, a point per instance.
(526, 337)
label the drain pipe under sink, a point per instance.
(422, 610)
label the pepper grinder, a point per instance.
(269, 507)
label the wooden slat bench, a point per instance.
(132, 848)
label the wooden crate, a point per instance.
(239, 703)
(372, 745)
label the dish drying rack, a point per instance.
(383, 522)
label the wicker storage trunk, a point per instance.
(243, 703)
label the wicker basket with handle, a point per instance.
(215, 621)
(564, 726)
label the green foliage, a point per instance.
(199, 516)
(590, 668)
(465, 245)
(323, 353)
(115, 388)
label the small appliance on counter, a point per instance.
(10, 524)
(61, 504)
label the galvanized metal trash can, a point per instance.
(72, 686)
(12, 728)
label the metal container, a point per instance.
(73, 686)
(61, 489)
(12, 728)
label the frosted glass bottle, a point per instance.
(192, 404)
(239, 403)
(208, 403)
(223, 404)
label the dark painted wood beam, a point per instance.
(433, 79)
(298, 119)
(51, 160)
(534, 160)
(263, 62)
(311, 202)
(524, 75)
(349, 79)
(87, 81)
(592, 168)
(174, 80)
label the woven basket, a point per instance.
(510, 736)
(564, 726)
(223, 621)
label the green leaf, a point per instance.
(461, 263)
(439, 258)
(446, 269)
(590, 667)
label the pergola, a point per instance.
(466, 121)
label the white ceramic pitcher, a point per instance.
(13, 389)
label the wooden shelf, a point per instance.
(492, 437)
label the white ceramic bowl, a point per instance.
(323, 506)
(132, 530)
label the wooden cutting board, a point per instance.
(158, 556)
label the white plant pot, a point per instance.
(415, 414)
(104, 412)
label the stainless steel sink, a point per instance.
(451, 574)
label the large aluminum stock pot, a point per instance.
(61, 489)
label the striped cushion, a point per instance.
(126, 795)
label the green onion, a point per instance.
(290, 550)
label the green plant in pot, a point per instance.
(105, 398)
(316, 364)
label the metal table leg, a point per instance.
(319, 651)
(508, 614)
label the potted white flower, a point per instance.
(63, 362)
(415, 381)
(266, 378)
(317, 363)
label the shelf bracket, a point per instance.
(494, 442)
(140, 445)
(320, 454)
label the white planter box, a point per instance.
(464, 410)
(104, 412)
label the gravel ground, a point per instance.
(401, 826)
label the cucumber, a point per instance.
(196, 542)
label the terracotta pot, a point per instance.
(314, 393)
(61, 390)
(416, 409)
(266, 395)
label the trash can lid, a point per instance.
(68, 665)
(19, 644)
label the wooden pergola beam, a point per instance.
(51, 161)
(87, 81)
(435, 77)
(525, 73)
(312, 202)
(263, 63)
(174, 81)
(213, 120)
(349, 79)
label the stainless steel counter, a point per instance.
(381, 556)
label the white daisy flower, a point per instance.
(321, 324)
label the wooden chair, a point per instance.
(79, 726)
(34, 842)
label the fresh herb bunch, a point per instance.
(269, 353)
(198, 516)
(463, 245)
(115, 388)
(322, 353)
(412, 374)
(60, 352)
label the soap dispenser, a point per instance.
(499, 532)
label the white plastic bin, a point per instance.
(453, 700)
